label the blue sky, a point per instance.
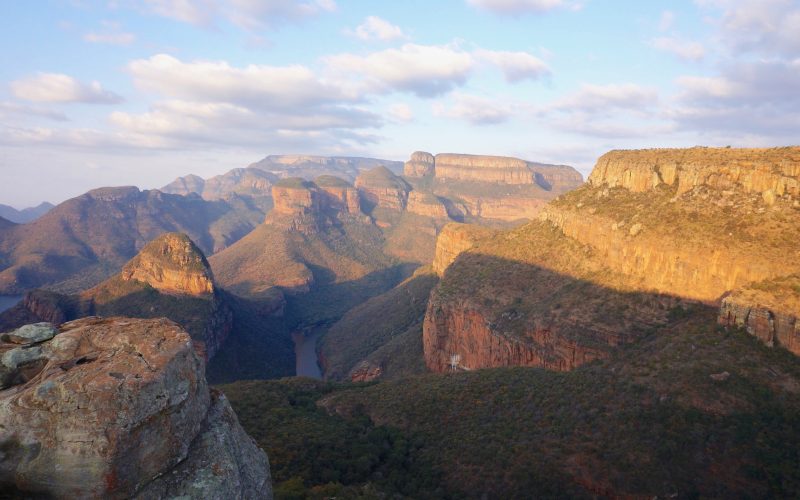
(114, 92)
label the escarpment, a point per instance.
(454, 239)
(119, 408)
(655, 233)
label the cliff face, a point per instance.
(426, 204)
(119, 408)
(171, 263)
(767, 310)
(379, 187)
(640, 239)
(420, 165)
(498, 169)
(747, 170)
(454, 239)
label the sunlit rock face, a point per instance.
(119, 408)
(653, 233)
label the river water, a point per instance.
(305, 350)
(8, 301)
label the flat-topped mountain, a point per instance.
(88, 238)
(630, 251)
(489, 187)
(118, 408)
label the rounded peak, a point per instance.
(171, 263)
(113, 193)
(422, 156)
(382, 177)
(331, 181)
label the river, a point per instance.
(8, 301)
(305, 350)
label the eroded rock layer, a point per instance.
(110, 408)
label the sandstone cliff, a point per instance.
(379, 187)
(421, 164)
(453, 240)
(171, 263)
(119, 408)
(758, 171)
(768, 310)
(426, 204)
(640, 238)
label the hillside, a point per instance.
(649, 234)
(689, 411)
(87, 239)
(382, 337)
(26, 214)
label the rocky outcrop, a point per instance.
(365, 371)
(171, 263)
(119, 408)
(454, 239)
(768, 310)
(506, 208)
(379, 187)
(338, 195)
(772, 171)
(457, 338)
(427, 204)
(421, 164)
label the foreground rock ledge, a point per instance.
(119, 408)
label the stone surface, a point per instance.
(379, 187)
(746, 170)
(118, 403)
(171, 263)
(426, 204)
(454, 239)
(421, 164)
(30, 334)
(768, 310)
(365, 371)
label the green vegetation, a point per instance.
(316, 455)
(331, 181)
(649, 421)
(382, 177)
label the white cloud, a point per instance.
(56, 87)
(516, 66)
(602, 98)
(430, 70)
(283, 87)
(767, 27)
(688, 50)
(474, 109)
(425, 70)
(401, 112)
(517, 6)
(375, 28)
(111, 34)
(248, 14)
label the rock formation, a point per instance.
(171, 263)
(453, 240)
(426, 204)
(651, 232)
(768, 310)
(379, 187)
(170, 277)
(420, 165)
(119, 408)
(758, 171)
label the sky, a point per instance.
(138, 92)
